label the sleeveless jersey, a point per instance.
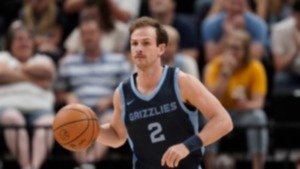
(158, 121)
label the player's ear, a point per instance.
(162, 48)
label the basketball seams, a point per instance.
(76, 110)
(86, 132)
(86, 128)
(79, 135)
(72, 122)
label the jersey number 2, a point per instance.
(156, 132)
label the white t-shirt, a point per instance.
(283, 41)
(114, 41)
(24, 96)
(187, 64)
(132, 6)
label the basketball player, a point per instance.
(156, 109)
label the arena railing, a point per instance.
(272, 128)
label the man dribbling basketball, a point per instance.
(156, 109)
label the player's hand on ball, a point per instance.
(174, 155)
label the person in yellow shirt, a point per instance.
(239, 82)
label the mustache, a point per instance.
(139, 55)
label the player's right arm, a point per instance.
(114, 134)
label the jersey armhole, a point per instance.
(178, 95)
(122, 101)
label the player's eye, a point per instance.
(146, 43)
(133, 43)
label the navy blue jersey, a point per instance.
(158, 121)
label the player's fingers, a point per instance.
(177, 160)
(163, 160)
(171, 158)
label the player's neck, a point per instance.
(149, 78)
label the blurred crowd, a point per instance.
(56, 52)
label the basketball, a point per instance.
(75, 127)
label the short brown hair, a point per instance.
(11, 34)
(161, 34)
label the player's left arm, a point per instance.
(219, 122)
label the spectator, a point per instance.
(164, 12)
(44, 19)
(258, 7)
(172, 57)
(26, 98)
(286, 50)
(114, 33)
(123, 10)
(270, 12)
(214, 28)
(90, 78)
(240, 84)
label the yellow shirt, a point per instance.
(244, 82)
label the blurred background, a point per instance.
(56, 52)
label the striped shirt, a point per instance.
(91, 81)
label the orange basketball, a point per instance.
(75, 127)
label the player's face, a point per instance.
(22, 45)
(235, 47)
(90, 35)
(144, 50)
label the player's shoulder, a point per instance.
(185, 79)
(118, 92)
(123, 87)
(118, 98)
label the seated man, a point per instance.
(90, 78)
(26, 98)
(164, 12)
(240, 84)
(216, 26)
(286, 50)
(173, 57)
(114, 34)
